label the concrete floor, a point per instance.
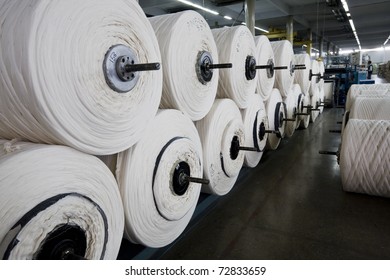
(292, 206)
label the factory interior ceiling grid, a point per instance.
(326, 18)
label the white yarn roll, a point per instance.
(155, 214)
(44, 187)
(300, 101)
(365, 157)
(53, 88)
(291, 110)
(314, 102)
(321, 68)
(366, 90)
(284, 56)
(302, 76)
(328, 92)
(321, 99)
(314, 84)
(234, 45)
(321, 83)
(305, 120)
(344, 123)
(216, 131)
(371, 108)
(182, 38)
(253, 117)
(275, 109)
(265, 55)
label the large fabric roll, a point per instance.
(235, 45)
(371, 108)
(276, 112)
(305, 119)
(314, 83)
(321, 68)
(157, 199)
(365, 157)
(186, 41)
(255, 122)
(344, 123)
(219, 132)
(291, 112)
(265, 56)
(54, 198)
(321, 90)
(366, 90)
(329, 92)
(300, 100)
(284, 56)
(53, 87)
(314, 103)
(302, 76)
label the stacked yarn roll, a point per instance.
(53, 88)
(364, 157)
(291, 102)
(255, 120)
(276, 112)
(265, 56)
(284, 56)
(186, 35)
(157, 205)
(218, 131)
(302, 77)
(235, 45)
(49, 190)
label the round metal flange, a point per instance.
(234, 148)
(292, 68)
(300, 102)
(250, 68)
(204, 73)
(271, 70)
(114, 68)
(180, 182)
(261, 131)
(65, 239)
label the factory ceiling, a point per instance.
(325, 18)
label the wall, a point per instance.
(379, 56)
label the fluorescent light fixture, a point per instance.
(227, 17)
(346, 8)
(198, 7)
(261, 29)
(257, 28)
(352, 25)
(345, 5)
(388, 38)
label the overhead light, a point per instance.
(345, 5)
(388, 38)
(257, 28)
(261, 29)
(227, 17)
(352, 25)
(346, 9)
(198, 7)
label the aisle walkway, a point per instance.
(292, 207)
